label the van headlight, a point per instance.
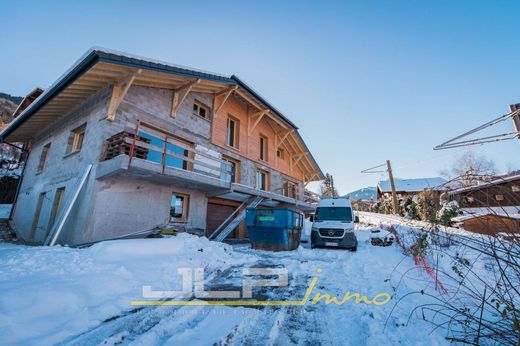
(314, 229)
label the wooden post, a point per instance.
(132, 147)
(392, 185)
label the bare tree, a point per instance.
(469, 168)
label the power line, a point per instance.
(369, 170)
(513, 114)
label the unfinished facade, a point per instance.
(167, 145)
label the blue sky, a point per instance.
(365, 81)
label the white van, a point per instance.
(333, 224)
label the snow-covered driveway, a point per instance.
(369, 271)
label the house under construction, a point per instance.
(122, 143)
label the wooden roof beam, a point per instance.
(219, 103)
(257, 118)
(283, 138)
(119, 91)
(297, 158)
(179, 95)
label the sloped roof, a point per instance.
(484, 185)
(100, 67)
(413, 185)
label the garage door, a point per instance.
(218, 213)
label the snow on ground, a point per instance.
(49, 294)
(81, 296)
(5, 209)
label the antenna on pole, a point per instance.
(514, 114)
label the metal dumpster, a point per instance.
(274, 229)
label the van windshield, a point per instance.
(343, 214)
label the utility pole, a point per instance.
(390, 178)
(516, 118)
(392, 185)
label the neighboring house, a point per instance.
(411, 187)
(502, 193)
(168, 145)
(490, 207)
(488, 222)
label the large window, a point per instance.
(200, 110)
(179, 207)
(175, 148)
(230, 170)
(43, 157)
(76, 139)
(262, 180)
(232, 132)
(263, 148)
(343, 214)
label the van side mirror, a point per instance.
(311, 218)
(356, 219)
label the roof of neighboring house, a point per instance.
(466, 217)
(413, 185)
(96, 59)
(484, 185)
(27, 100)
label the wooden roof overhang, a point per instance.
(101, 68)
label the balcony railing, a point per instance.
(167, 151)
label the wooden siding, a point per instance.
(486, 196)
(248, 147)
(492, 224)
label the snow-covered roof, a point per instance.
(413, 185)
(476, 215)
(483, 185)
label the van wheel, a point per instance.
(312, 245)
(354, 248)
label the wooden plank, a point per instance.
(179, 95)
(118, 94)
(217, 105)
(173, 154)
(258, 117)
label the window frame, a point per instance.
(199, 105)
(280, 153)
(263, 148)
(236, 176)
(74, 144)
(57, 204)
(236, 132)
(266, 180)
(37, 213)
(185, 207)
(44, 158)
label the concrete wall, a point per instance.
(116, 207)
(61, 170)
(124, 206)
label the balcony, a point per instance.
(155, 156)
